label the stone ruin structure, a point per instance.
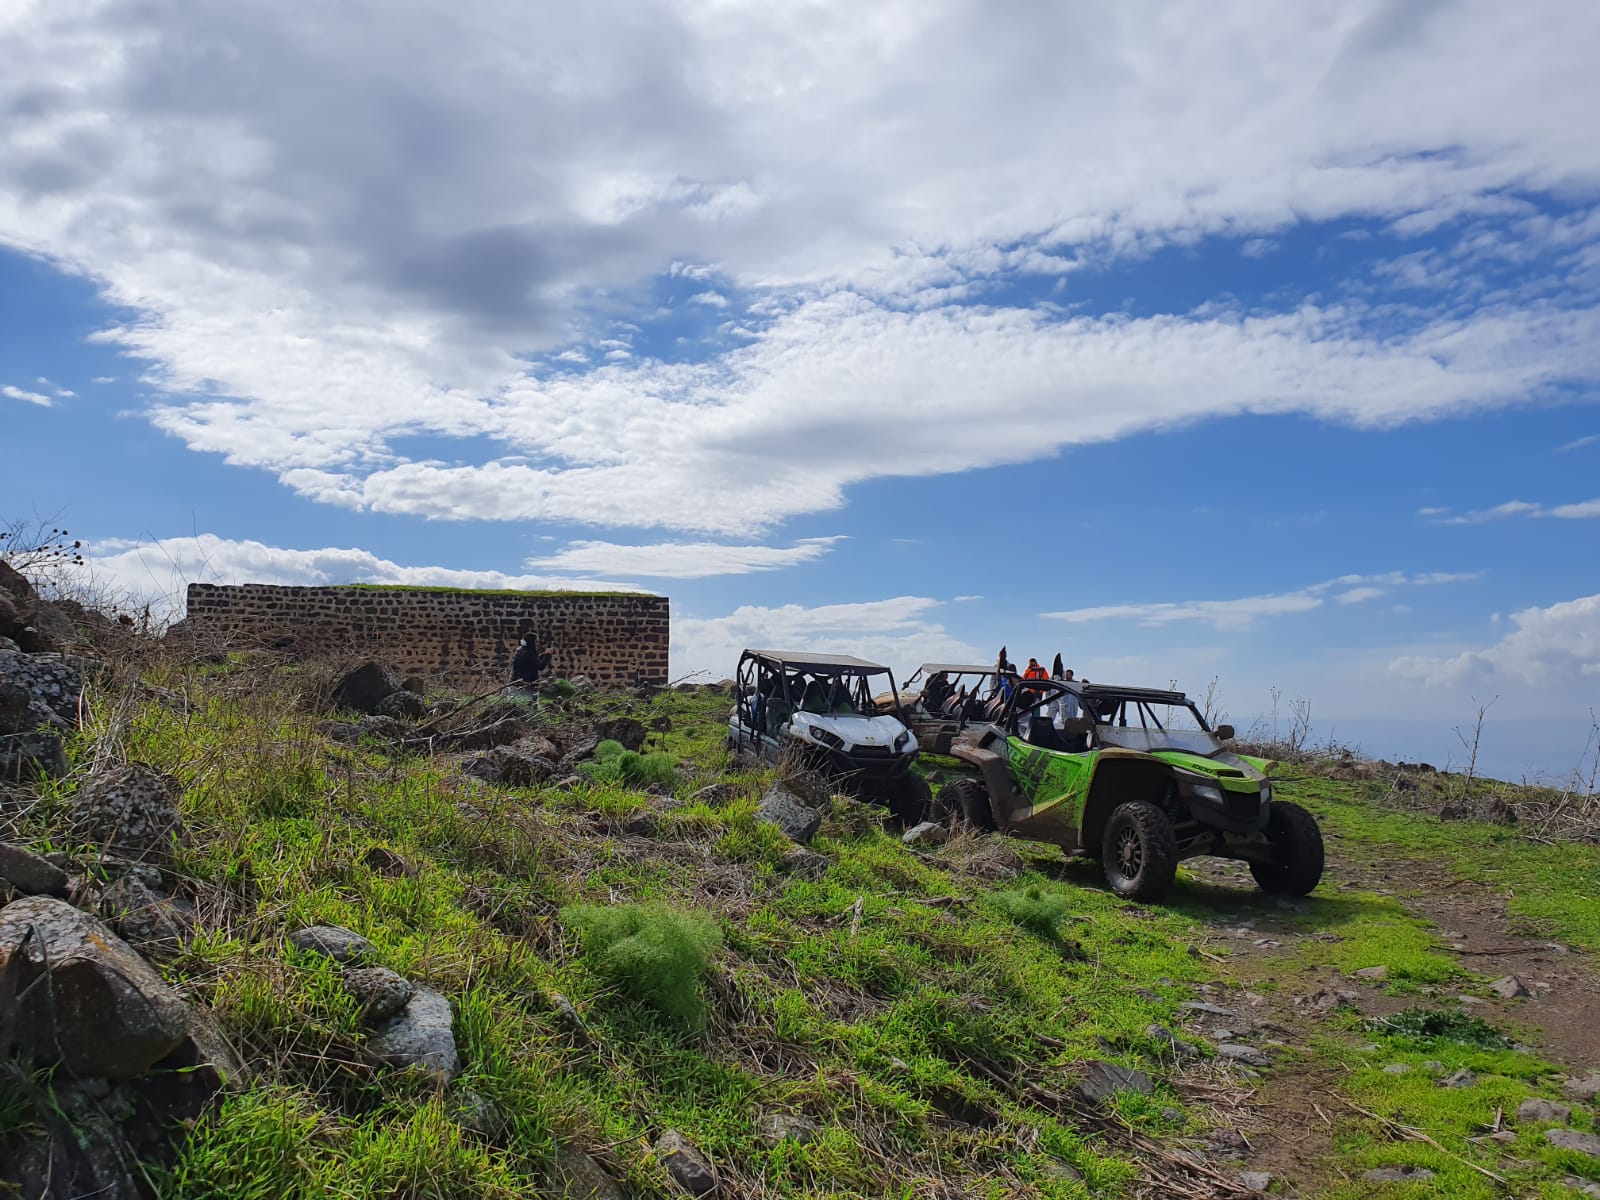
(616, 639)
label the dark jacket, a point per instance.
(528, 662)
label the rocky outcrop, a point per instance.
(421, 1035)
(366, 687)
(782, 808)
(331, 941)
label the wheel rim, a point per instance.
(1130, 853)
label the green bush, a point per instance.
(559, 688)
(613, 764)
(1033, 908)
(651, 952)
(1440, 1025)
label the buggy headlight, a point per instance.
(831, 740)
(900, 742)
(1206, 791)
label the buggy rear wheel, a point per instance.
(968, 800)
(1296, 850)
(1139, 851)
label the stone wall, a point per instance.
(617, 639)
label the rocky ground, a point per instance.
(274, 930)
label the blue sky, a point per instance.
(1256, 346)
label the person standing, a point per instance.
(527, 665)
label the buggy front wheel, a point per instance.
(1139, 851)
(1297, 851)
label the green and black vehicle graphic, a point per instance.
(1135, 777)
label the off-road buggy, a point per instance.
(940, 699)
(1135, 778)
(820, 708)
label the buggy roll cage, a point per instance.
(1100, 704)
(784, 681)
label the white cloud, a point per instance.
(1239, 614)
(900, 633)
(158, 570)
(1578, 443)
(1547, 646)
(1522, 508)
(310, 290)
(104, 379)
(17, 393)
(711, 299)
(680, 560)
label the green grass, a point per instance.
(904, 1002)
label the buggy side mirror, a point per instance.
(1224, 732)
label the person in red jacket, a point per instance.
(1035, 671)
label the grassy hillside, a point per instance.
(922, 1017)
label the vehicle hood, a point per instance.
(855, 730)
(1224, 768)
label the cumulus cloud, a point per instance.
(17, 393)
(157, 571)
(900, 632)
(680, 560)
(1242, 612)
(1554, 645)
(446, 192)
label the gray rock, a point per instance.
(928, 833)
(131, 810)
(421, 1036)
(28, 757)
(346, 732)
(146, 921)
(30, 874)
(780, 807)
(715, 795)
(1509, 987)
(1584, 1187)
(1061, 1172)
(570, 1019)
(1171, 1041)
(379, 991)
(1460, 1079)
(1200, 1006)
(385, 729)
(1238, 1052)
(1397, 1068)
(807, 864)
(15, 702)
(1585, 1087)
(627, 730)
(331, 941)
(1534, 1109)
(511, 766)
(51, 680)
(1574, 1139)
(1373, 974)
(364, 688)
(105, 1012)
(1101, 1081)
(472, 1110)
(1256, 1181)
(401, 705)
(579, 1177)
(776, 1128)
(1397, 1175)
(684, 1162)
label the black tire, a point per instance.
(909, 798)
(1296, 846)
(968, 800)
(1139, 851)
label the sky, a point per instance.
(1256, 344)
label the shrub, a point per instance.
(613, 764)
(651, 952)
(559, 688)
(1440, 1025)
(1033, 908)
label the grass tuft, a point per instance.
(1033, 907)
(653, 953)
(1440, 1025)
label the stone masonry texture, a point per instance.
(617, 640)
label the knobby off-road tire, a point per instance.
(1296, 848)
(968, 800)
(1139, 851)
(909, 798)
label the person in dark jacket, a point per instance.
(528, 664)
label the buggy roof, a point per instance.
(956, 669)
(807, 660)
(1111, 691)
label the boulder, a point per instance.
(1256, 1181)
(1509, 987)
(132, 810)
(579, 1177)
(420, 1036)
(1534, 1110)
(385, 729)
(380, 992)
(402, 705)
(415, 684)
(146, 921)
(49, 679)
(1460, 1079)
(1101, 1081)
(365, 687)
(30, 874)
(331, 941)
(777, 1128)
(27, 757)
(1238, 1052)
(511, 766)
(928, 833)
(1574, 1139)
(780, 807)
(684, 1162)
(1583, 1087)
(103, 1012)
(15, 701)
